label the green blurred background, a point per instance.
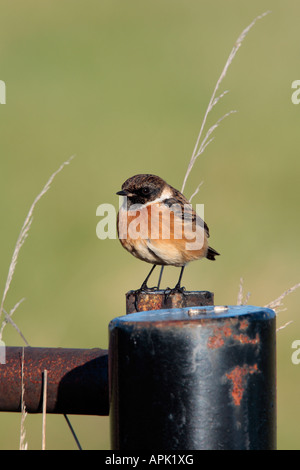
(124, 86)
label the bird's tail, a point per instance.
(211, 253)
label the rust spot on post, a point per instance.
(239, 376)
(244, 325)
(221, 333)
(217, 340)
(244, 339)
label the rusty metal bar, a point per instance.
(193, 378)
(137, 301)
(77, 380)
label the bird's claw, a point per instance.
(177, 289)
(145, 288)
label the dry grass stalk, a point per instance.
(240, 293)
(283, 326)
(44, 409)
(20, 241)
(23, 444)
(195, 192)
(201, 145)
(277, 303)
(8, 316)
(274, 305)
(240, 299)
(8, 319)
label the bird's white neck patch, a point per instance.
(166, 194)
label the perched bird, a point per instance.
(157, 224)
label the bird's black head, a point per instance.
(141, 189)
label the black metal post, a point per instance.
(193, 378)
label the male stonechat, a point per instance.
(157, 224)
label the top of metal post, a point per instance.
(198, 314)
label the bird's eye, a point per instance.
(145, 191)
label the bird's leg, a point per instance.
(178, 285)
(144, 288)
(144, 285)
(177, 288)
(160, 276)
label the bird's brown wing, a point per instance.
(184, 210)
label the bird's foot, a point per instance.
(144, 289)
(179, 288)
(176, 290)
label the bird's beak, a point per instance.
(124, 193)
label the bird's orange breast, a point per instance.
(155, 234)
